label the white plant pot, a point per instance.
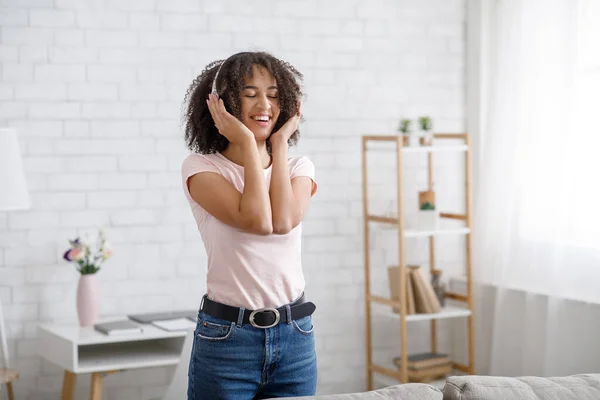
(426, 139)
(427, 220)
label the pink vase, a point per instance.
(87, 300)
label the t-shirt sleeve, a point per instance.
(302, 166)
(192, 165)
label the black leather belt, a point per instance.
(261, 318)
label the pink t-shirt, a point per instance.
(244, 269)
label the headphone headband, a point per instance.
(214, 82)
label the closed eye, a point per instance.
(253, 96)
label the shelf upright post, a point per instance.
(401, 258)
(469, 204)
(367, 265)
(431, 249)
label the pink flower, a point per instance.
(75, 254)
(107, 253)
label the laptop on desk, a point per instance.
(148, 318)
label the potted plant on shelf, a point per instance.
(426, 127)
(428, 218)
(406, 132)
(89, 258)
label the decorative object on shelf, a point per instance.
(426, 367)
(394, 283)
(426, 301)
(427, 214)
(430, 374)
(427, 196)
(426, 126)
(89, 259)
(421, 296)
(424, 360)
(438, 287)
(408, 139)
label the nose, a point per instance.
(263, 102)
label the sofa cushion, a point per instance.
(408, 391)
(575, 387)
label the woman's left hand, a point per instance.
(288, 129)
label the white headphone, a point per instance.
(214, 82)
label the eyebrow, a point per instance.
(256, 88)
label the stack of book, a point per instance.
(120, 327)
(426, 367)
(420, 296)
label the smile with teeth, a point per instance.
(263, 118)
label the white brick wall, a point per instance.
(95, 88)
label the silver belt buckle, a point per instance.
(273, 310)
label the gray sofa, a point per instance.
(575, 387)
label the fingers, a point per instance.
(222, 108)
(296, 120)
(225, 117)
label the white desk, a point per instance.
(84, 350)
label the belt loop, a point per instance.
(240, 319)
(288, 312)
(202, 301)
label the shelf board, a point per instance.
(383, 147)
(134, 355)
(445, 313)
(436, 232)
(393, 221)
(383, 220)
(386, 137)
(433, 149)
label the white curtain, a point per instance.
(537, 199)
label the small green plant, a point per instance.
(405, 126)
(425, 123)
(427, 206)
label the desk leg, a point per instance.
(68, 385)
(96, 390)
(11, 395)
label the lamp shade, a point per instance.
(13, 187)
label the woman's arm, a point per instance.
(250, 210)
(289, 198)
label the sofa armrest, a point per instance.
(408, 391)
(575, 387)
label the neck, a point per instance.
(235, 153)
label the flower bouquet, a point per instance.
(89, 259)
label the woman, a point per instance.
(254, 337)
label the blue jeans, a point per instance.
(231, 362)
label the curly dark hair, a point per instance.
(201, 134)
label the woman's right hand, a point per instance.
(228, 125)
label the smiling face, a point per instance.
(260, 102)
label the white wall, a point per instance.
(95, 89)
